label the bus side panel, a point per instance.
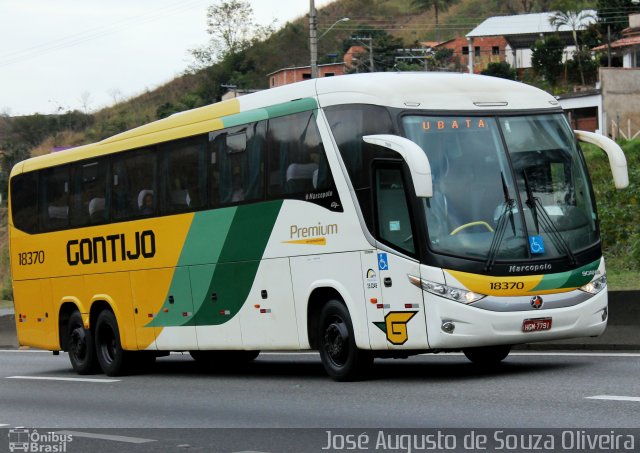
(35, 319)
(268, 319)
(149, 290)
(340, 271)
(216, 303)
(404, 320)
(115, 289)
(177, 314)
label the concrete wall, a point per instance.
(621, 101)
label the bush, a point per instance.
(618, 210)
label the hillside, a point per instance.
(287, 47)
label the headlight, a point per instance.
(459, 295)
(595, 286)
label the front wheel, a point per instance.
(487, 355)
(80, 346)
(341, 358)
(114, 361)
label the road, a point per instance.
(540, 390)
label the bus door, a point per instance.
(403, 306)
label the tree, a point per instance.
(574, 20)
(546, 58)
(232, 29)
(501, 69)
(437, 5)
(384, 47)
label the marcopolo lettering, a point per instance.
(116, 247)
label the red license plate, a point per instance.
(536, 325)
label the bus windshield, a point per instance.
(505, 188)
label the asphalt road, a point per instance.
(543, 389)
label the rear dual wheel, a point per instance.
(100, 347)
(80, 346)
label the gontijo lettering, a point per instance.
(115, 247)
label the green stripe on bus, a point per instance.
(287, 108)
(569, 279)
(233, 238)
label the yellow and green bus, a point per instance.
(372, 215)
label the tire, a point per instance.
(487, 355)
(341, 358)
(80, 346)
(113, 360)
(212, 358)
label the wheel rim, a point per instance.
(78, 343)
(108, 345)
(336, 342)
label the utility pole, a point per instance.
(368, 46)
(608, 46)
(313, 38)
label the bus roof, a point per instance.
(434, 91)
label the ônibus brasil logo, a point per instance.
(27, 440)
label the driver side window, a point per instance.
(392, 210)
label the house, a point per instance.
(298, 73)
(621, 86)
(521, 32)
(629, 45)
(490, 49)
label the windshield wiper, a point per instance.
(541, 217)
(502, 225)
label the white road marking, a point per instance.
(26, 350)
(52, 378)
(3, 424)
(581, 354)
(114, 438)
(615, 398)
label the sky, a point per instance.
(59, 55)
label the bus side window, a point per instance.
(392, 210)
(24, 202)
(237, 164)
(133, 174)
(54, 212)
(88, 198)
(297, 160)
(349, 124)
(185, 184)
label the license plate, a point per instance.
(536, 325)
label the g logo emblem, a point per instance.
(395, 326)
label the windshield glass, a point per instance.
(478, 210)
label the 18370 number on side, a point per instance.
(30, 258)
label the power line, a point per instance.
(95, 33)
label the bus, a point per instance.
(363, 216)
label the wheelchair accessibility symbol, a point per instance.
(383, 264)
(536, 245)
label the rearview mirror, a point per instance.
(617, 160)
(413, 155)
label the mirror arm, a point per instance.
(413, 155)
